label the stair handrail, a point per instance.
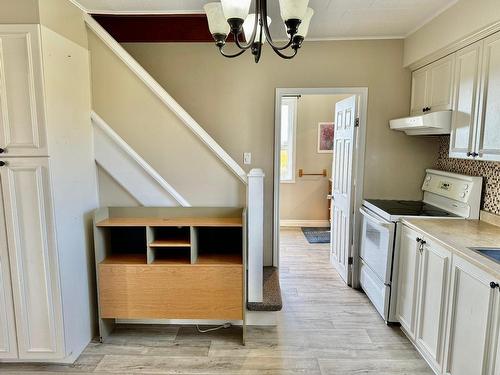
(165, 97)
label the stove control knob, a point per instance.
(462, 195)
(466, 186)
(428, 178)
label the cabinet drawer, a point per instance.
(171, 291)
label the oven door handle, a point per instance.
(367, 214)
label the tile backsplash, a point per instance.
(490, 171)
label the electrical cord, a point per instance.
(225, 325)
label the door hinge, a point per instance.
(350, 260)
(356, 123)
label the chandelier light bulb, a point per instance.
(236, 8)
(293, 9)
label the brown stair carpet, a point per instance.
(272, 292)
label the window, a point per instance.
(287, 155)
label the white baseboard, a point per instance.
(261, 318)
(304, 223)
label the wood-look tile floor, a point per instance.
(325, 328)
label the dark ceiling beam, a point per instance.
(156, 28)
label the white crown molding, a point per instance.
(168, 100)
(145, 13)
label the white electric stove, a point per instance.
(445, 196)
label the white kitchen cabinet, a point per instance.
(22, 116)
(47, 189)
(476, 117)
(432, 298)
(418, 91)
(432, 87)
(33, 257)
(8, 341)
(466, 100)
(409, 265)
(488, 132)
(472, 313)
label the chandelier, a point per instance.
(232, 16)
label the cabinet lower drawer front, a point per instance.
(171, 292)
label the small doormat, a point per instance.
(316, 234)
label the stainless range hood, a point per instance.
(434, 123)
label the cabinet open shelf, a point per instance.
(170, 243)
(169, 263)
(219, 259)
(125, 259)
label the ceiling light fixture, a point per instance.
(232, 16)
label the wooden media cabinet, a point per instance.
(175, 263)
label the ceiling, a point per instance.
(333, 19)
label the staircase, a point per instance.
(155, 150)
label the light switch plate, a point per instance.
(247, 158)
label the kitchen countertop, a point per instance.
(459, 235)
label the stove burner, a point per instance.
(409, 208)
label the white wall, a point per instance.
(462, 19)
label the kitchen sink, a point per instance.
(490, 252)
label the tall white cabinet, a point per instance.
(476, 121)
(45, 151)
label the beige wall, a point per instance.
(305, 199)
(19, 11)
(64, 18)
(156, 134)
(233, 99)
(460, 20)
(111, 193)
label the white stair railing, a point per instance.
(255, 204)
(254, 181)
(130, 170)
(165, 97)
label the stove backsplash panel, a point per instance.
(489, 170)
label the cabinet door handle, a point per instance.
(494, 285)
(469, 153)
(2, 163)
(2, 150)
(418, 239)
(474, 154)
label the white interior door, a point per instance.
(342, 187)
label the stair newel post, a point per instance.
(255, 204)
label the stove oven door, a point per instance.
(377, 244)
(377, 241)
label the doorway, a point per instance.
(296, 174)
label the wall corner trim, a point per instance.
(162, 94)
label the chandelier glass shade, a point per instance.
(232, 16)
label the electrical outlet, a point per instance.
(247, 158)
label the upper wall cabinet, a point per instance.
(432, 87)
(466, 99)
(22, 118)
(475, 130)
(488, 133)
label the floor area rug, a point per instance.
(316, 234)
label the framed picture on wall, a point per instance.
(325, 137)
